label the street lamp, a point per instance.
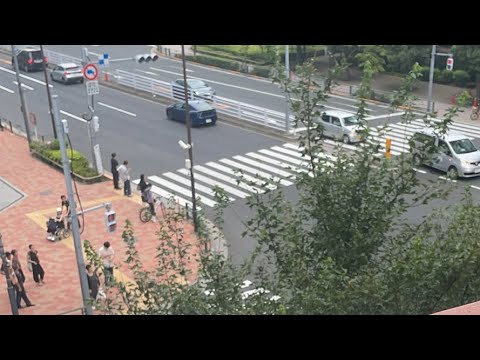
(49, 96)
(189, 145)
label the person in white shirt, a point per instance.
(107, 254)
(124, 174)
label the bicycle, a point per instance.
(145, 213)
(474, 114)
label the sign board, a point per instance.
(104, 61)
(92, 87)
(90, 71)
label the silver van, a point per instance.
(340, 125)
(453, 153)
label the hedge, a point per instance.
(457, 77)
(80, 165)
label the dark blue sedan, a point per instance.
(201, 113)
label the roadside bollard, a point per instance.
(388, 148)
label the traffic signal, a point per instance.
(146, 58)
(111, 221)
(450, 64)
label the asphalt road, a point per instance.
(231, 85)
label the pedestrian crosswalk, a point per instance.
(243, 175)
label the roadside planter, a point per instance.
(49, 153)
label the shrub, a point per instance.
(461, 78)
(444, 77)
(79, 162)
(55, 145)
(264, 71)
(425, 70)
(214, 61)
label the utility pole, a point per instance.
(190, 149)
(49, 96)
(430, 82)
(287, 106)
(10, 289)
(22, 97)
(76, 231)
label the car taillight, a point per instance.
(45, 59)
(65, 73)
(30, 61)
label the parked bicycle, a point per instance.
(474, 115)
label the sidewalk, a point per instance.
(23, 223)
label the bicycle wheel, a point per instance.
(474, 115)
(145, 215)
(65, 233)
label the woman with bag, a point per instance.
(37, 269)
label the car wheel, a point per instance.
(64, 80)
(346, 139)
(452, 173)
(51, 77)
(169, 115)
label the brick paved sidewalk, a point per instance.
(24, 223)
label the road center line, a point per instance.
(25, 77)
(220, 83)
(117, 109)
(475, 187)
(7, 89)
(73, 116)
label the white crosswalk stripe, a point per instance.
(255, 172)
(167, 195)
(243, 176)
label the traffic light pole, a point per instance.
(432, 68)
(76, 231)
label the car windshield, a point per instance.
(195, 84)
(463, 146)
(200, 106)
(350, 121)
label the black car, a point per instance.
(29, 59)
(201, 113)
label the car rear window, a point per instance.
(36, 55)
(72, 68)
(201, 106)
(196, 83)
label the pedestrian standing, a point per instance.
(93, 281)
(107, 254)
(124, 174)
(114, 164)
(16, 277)
(17, 267)
(142, 185)
(37, 269)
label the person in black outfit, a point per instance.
(17, 267)
(38, 272)
(114, 164)
(142, 185)
(17, 281)
(93, 281)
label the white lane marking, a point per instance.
(264, 167)
(73, 116)
(179, 189)
(25, 77)
(188, 183)
(228, 179)
(117, 109)
(23, 85)
(176, 67)
(256, 172)
(475, 187)
(420, 171)
(147, 72)
(7, 90)
(242, 176)
(447, 179)
(209, 181)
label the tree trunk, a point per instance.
(477, 85)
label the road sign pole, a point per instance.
(22, 97)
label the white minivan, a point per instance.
(453, 153)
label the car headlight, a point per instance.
(466, 163)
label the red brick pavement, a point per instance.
(24, 223)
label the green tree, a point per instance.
(467, 57)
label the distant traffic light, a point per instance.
(450, 64)
(146, 58)
(111, 220)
